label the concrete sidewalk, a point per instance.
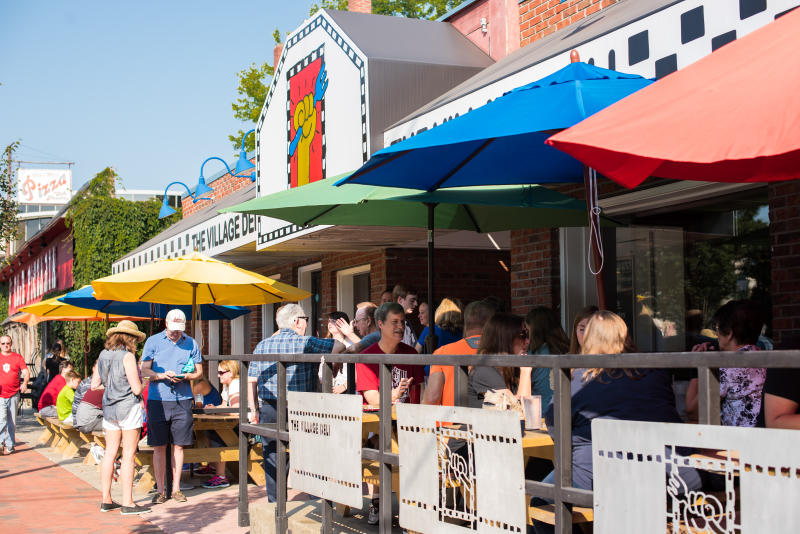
(41, 492)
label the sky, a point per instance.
(142, 86)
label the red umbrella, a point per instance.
(733, 116)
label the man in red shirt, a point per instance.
(390, 318)
(50, 393)
(12, 365)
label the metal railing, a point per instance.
(560, 492)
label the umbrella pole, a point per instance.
(594, 239)
(430, 342)
(85, 347)
(194, 311)
(107, 325)
(152, 318)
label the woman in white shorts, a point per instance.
(118, 373)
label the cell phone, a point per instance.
(179, 376)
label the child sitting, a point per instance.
(66, 396)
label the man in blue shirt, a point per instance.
(170, 359)
(290, 339)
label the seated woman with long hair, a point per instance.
(504, 333)
(547, 337)
(627, 394)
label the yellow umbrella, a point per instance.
(195, 279)
(55, 310)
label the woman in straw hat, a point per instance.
(118, 373)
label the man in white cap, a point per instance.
(170, 359)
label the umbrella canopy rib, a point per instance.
(144, 295)
(318, 215)
(458, 167)
(472, 218)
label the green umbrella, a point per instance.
(479, 209)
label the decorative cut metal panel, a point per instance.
(461, 470)
(645, 475)
(325, 445)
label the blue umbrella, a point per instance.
(84, 298)
(502, 143)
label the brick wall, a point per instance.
(538, 18)
(535, 271)
(222, 186)
(784, 216)
(465, 274)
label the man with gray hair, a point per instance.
(290, 339)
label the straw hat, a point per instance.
(126, 327)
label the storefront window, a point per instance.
(675, 269)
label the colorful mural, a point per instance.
(307, 83)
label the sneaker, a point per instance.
(109, 506)
(159, 498)
(372, 516)
(135, 510)
(178, 497)
(205, 471)
(217, 482)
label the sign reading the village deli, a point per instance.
(223, 231)
(44, 186)
(321, 423)
(217, 235)
(314, 122)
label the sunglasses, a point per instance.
(222, 373)
(5, 343)
(304, 317)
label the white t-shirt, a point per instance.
(229, 391)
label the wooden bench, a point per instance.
(49, 437)
(546, 513)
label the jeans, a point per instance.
(8, 420)
(269, 414)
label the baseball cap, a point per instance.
(176, 320)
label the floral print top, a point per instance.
(740, 392)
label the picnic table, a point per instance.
(202, 451)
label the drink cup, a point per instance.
(532, 407)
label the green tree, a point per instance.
(254, 81)
(8, 200)
(253, 87)
(412, 9)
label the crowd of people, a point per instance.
(749, 397)
(122, 396)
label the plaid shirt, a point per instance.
(299, 376)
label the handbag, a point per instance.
(502, 401)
